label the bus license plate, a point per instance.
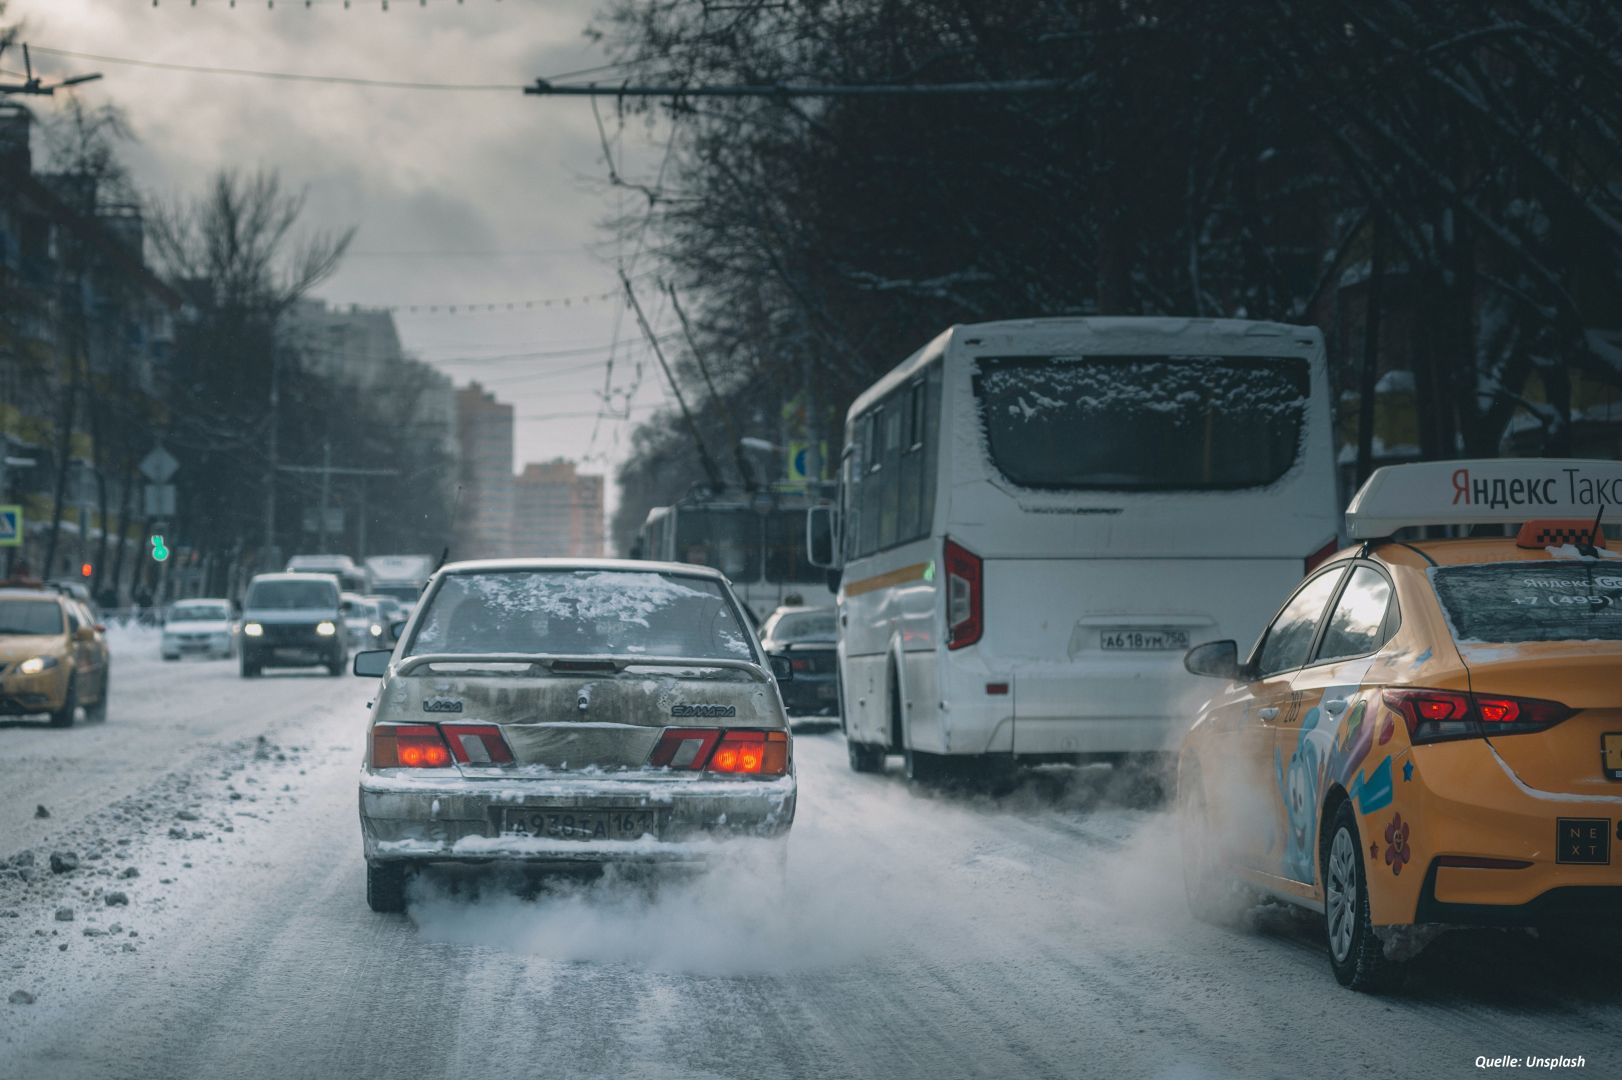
(1143, 640)
(553, 824)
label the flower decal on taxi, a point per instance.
(1397, 851)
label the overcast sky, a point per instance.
(460, 198)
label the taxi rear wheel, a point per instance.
(1355, 952)
(98, 712)
(385, 887)
(1214, 895)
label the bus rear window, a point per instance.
(1142, 423)
(1509, 603)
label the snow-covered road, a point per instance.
(921, 934)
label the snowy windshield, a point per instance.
(1509, 603)
(291, 595)
(30, 617)
(804, 626)
(196, 611)
(1142, 423)
(582, 613)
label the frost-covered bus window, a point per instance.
(1508, 603)
(1142, 423)
(581, 613)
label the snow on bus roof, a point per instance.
(1486, 491)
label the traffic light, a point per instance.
(159, 551)
(85, 570)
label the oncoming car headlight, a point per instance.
(252, 629)
(36, 664)
(377, 631)
(326, 628)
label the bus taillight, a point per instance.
(965, 597)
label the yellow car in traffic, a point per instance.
(53, 656)
(1429, 733)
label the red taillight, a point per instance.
(965, 621)
(800, 665)
(410, 746)
(1438, 715)
(1319, 557)
(477, 744)
(749, 753)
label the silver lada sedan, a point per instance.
(563, 711)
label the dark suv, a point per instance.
(293, 620)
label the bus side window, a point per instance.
(873, 481)
(911, 473)
(895, 410)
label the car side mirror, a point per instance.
(397, 629)
(85, 633)
(782, 668)
(1216, 659)
(373, 663)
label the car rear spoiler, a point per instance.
(558, 664)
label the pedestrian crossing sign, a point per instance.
(11, 526)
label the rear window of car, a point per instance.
(1509, 603)
(805, 626)
(30, 617)
(291, 595)
(1152, 423)
(582, 613)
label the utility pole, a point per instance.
(326, 483)
(270, 559)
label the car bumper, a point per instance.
(406, 815)
(811, 694)
(218, 646)
(1464, 802)
(22, 694)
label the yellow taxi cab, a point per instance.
(53, 656)
(1429, 732)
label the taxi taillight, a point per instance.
(733, 752)
(1440, 715)
(409, 746)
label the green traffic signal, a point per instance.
(159, 551)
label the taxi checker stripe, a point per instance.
(885, 580)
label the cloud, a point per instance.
(416, 171)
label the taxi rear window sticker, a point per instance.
(1510, 603)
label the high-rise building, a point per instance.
(484, 511)
(558, 511)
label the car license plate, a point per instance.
(1611, 749)
(1583, 840)
(555, 824)
(1143, 640)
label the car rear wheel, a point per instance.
(1214, 895)
(250, 668)
(1355, 953)
(385, 887)
(63, 717)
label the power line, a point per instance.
(547, 88)
(281, 76)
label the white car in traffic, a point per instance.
(205, 627)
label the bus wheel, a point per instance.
(863, 757)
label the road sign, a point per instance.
(160, 501)
(159, 466)
(11, 526)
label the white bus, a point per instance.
(757, 541)
(1036, 518)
